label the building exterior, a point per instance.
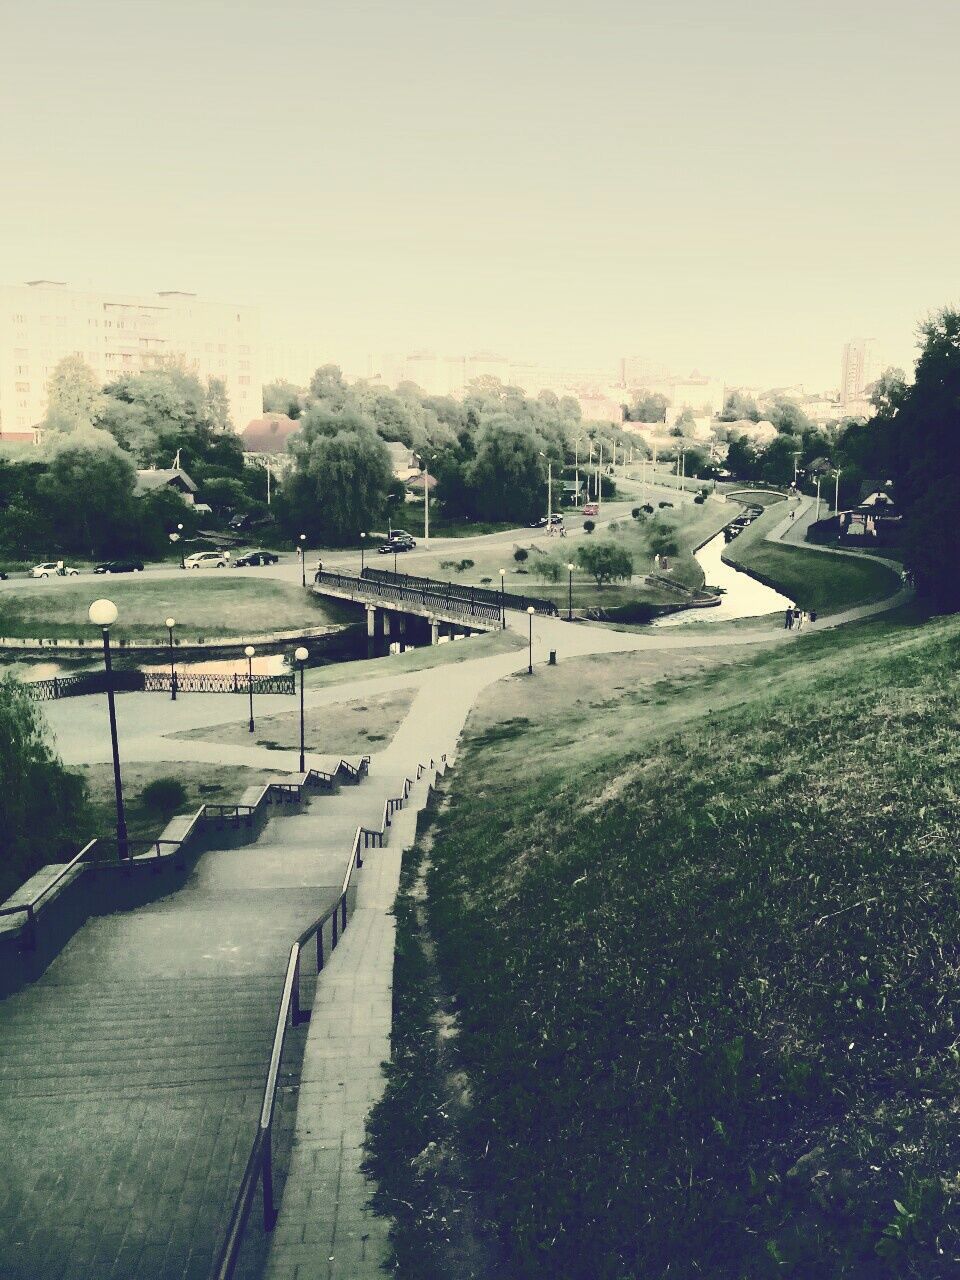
(43, 321)
(859, 366)
(154, 479)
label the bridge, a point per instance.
(398, 605)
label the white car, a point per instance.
(52, 569)
(206, 560)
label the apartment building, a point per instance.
(859, 366)
(44, 320)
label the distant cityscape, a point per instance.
(43, 321)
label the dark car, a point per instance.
(396, 544)
(255, 557)
(3, 576)
(664, 504)
(120, 566)
(541, 523)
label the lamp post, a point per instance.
(103, 614)
(569, 592)
(303, 558)
(817, 516)
(394, 561)
(503, 605)
(426, 501)
(576, 471)
(530, 613)
(549, 492)
(250, 651)
(170, 624)
(301, 656)
(175, 537)
(363, 543)
(795, 470)
(836, 494)
(599, 482)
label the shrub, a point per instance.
(164, 796)
(520, 555)
(636, 513)
(589, 526)
(699, 499)
(605, 561)
(648, 508)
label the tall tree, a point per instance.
(73, 395)
(89, 492)
(340, 480)
(507, 475)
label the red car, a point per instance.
(591, 509)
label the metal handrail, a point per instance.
(435, 598)
(259, 1166)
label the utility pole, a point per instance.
(576, 472)
(817, 517)
(599, 485)
(836, 495)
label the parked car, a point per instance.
(541, 523)
(591, 509)
(255, 557)
(52, 569)
(206, 560)
(400, 533)
(120, 566)
(3, 576)
(395, 543)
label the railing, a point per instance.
(435, 597)
(460, 591)
(155, 682)
(29, 909)
(259, 1166)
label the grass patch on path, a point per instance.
(477, 646)
(366, 724)
(707, 979)
(207, 604)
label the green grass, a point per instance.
(813, 579)
(205, 606)
(203, 785)
(476, 646)
(367, 724)
(707, 970)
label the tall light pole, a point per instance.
(503, 601)
(301, 656)
(103, 614)
(589, 467)
(569, 592)
(599, 481)
(549, 492)
(836, 495)
(250, 651)
(426, 502)
(363, 543)
(170, 624)
(303, 558)
(530, 613)
(817, 516)
(576, 470)
(175, 537)
(795, 471)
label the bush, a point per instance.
(648, 508)
(605, 561)
(164, 796)
(520, 555)
(699, 499)
(636, 513)
(589, 526)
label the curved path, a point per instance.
(132, 1069)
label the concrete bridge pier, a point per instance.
(434, 631)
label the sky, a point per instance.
(739, 187)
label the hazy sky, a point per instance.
(739, 186)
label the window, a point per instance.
(19, 319)
(23, 386)
(244, 380)
(222, 347)
(244, 364)
(244, 350)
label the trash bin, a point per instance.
(553, 657)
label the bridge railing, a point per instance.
(462, 591)
(259, 1169)
(436, 600)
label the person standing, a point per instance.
(788, 620)
(800, 617)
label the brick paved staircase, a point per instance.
(131, 1073)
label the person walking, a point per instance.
(800, 617)
(788, 620)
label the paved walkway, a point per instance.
(126, 1138)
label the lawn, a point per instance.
(205, 607)
(202, 784)
(347, 728)
(705, 971)
(440, 655)
(813, 579)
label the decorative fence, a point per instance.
(461, 591)
(432, 596)
(259, 1167)
(156, 682)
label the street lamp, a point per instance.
(250, 651)
(301, 656)
(530, 613)
(549, 491)
(363, 543)
(303, 558)
(103, 614)
(170, 624)
(836, 495)
(175, 537)
(576, 472)
(503, 605)
(795, 470)
(569, 592)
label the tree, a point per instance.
(42, 805)
(224, 495)
(89, 492)
(340, 482)
(742, 457)
(507, 475)
(327, 384)
(738, 406)
(889, 390)
(648, 407)
(282, 396)
(217, 403)
(73, 395)
(605, 561)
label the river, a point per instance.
(743, 596)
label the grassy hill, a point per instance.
(706, 970)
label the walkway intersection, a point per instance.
(132, 1071)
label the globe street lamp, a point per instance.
(250, 651)
(301, 656)
(175, 537)
(303, 558)
(569, 592)
(363, 543)
(103, 614)
(170, 624)
(530, 613)
(503, 603)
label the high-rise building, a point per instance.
(43, 321)
(859, 367)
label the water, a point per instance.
(743, 596)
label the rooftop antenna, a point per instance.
(176, 461)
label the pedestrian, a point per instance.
(812, 615)
(319, 570)
(656, 561)
(800, 619)
(788, 620)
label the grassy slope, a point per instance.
(205, 605)
(815, 580)
(701, 957)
